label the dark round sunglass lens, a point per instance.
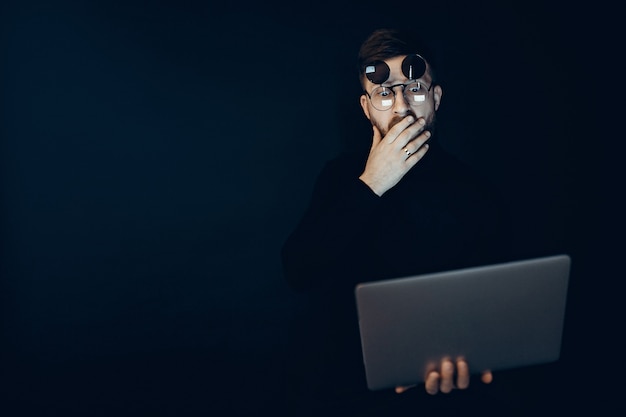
(413, 67)
(377, 72)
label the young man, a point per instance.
(402, 207)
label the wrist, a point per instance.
(373, 185)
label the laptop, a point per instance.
(497, 317)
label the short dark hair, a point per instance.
(383, 44)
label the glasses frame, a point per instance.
(391, 88)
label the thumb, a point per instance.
(377, 136)
(403, 388)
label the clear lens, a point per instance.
(383, 97)
(415, 93)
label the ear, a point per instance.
(366, 110)
(438, 93)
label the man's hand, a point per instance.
(394, 155)
(443, 380)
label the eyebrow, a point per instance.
(408, 81)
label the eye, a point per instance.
(382, 92)
(414, 88)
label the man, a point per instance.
(402, 207)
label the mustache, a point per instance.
(397, 119)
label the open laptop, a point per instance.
(497, 317)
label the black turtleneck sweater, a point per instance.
(440, 216)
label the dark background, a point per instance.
(155, 155)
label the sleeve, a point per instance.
(330, 234)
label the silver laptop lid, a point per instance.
(497, 317)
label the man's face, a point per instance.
(384, 120)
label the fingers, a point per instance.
(463, 375)
(405, 131)
(401, 127)
(486, 377)
(447, 375)
(417, 148)
(432, 383)
(444, 381)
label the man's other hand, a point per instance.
(442, 380)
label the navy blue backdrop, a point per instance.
(155, 155)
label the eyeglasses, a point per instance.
(383, 97)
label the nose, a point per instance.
(400, 105)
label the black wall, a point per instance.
(155, 155)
